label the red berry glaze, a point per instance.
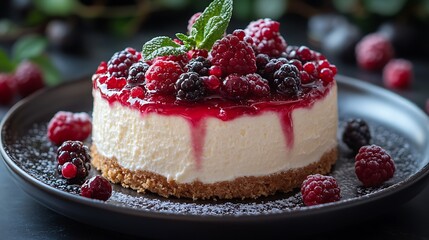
(69, 170)
(318, 189)
(233, 55)
(6, 90)
(29, 78)
(96, 188)
(373, 166)
(373, 52)
(69, 126)
(162, 76)
(398, 74)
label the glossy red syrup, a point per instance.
(214, 106)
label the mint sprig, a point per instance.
(208, 28)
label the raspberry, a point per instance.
(192, 20)
(373, 52)
(194, 53)
(6, 89)
(271, 67)
(297, 63)
(373, 165)
(161, 77)
(182, 60)
(69, 126)
(199, 65)
(266, 37)
(120, 62)
(259, 87)
(190, 87)
(211, 82)
(318, 189)
(233, 55)
(136, 73)
(216, 71)
(287, 80)
(96, 188)
(28, 78)
(235, 87)
(398, 73)
(356, 134)
(77, 154)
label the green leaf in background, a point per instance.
(270, 8)
(6, 65)
(28, 47)
(56, 7)
(386, 8)
(221, 10)
(161, 46)
(50, 73)
(185, 39)
(345, 6)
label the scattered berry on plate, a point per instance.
(398, 74)
(77, 154)
(373, 165)
(69, 126)
(356, 134)
(373, 51)
(96, 188)
(28, 78)
(6, 90)
(318, 189)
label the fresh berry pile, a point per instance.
(373, 165)
(73, 161)
(243, 66)
(69, 126)
(318, 189)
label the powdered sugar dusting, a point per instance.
(35, 154)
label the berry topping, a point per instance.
(77, 154)
(216, 71)
(287, 80)
(28, 78)
(271, 67)
(182, 60)
(261, 61)
(136, 73)
(6, 90)
(194, 53)
(235, 87)
(373, 52)
(162, 76)
(199, 65)
(266, 37)
(192, 20)
(69, 170)
(211, 82)
(190, 87)
(318, 189)
(121, 61)
(356, 134)
(398, 73)
(96, 188)
(373, 166)
(233, 55)
(259, 87)
(69, 126)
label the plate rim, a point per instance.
(420, 175)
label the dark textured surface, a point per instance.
(21, 217)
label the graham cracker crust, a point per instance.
(243, 187)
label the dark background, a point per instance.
(96, 39)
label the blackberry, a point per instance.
(76, 153)
(373, 166)
(235, 87)
(261, 61)
(259, 87)
(121, 61)
(199, 65)
(356, 134)
(190, 87)
(271, 67)
(287, 80)
(136, 73)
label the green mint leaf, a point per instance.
(212, 23)
(51, 74)
(28, 47)
(161, 46)
(187, 41)
(6, 65)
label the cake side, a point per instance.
(242, 187)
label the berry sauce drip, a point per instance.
(218, 107)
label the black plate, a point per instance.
(396, 124)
